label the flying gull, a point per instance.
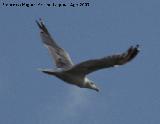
(76, 73)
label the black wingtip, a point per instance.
(133, 51)
(138, 47)
(42, 26)
(134, 48)
(40, 23)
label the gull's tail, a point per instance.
(47, 71)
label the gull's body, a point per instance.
(76, 74)
(70, 78)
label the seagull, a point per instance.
(76, 74)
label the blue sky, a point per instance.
(128, 94)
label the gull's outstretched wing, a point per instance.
(60, 56)
(106, 62)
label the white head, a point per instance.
(93, 86)
(89, 84)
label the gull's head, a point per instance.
(91, 85)
(94, 87)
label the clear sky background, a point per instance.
(129, 94)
